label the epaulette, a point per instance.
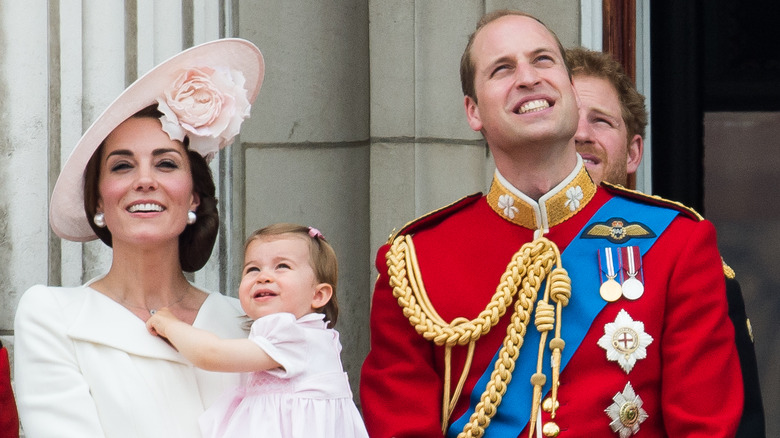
(728, 271)
(436, 215)
(652, 199)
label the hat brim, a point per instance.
(66, 211)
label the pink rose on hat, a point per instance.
(208, 105)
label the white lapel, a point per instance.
(102, 320)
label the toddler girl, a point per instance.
(297, 387)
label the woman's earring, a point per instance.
(191, 217)
(99, 220)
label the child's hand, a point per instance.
(157, 323)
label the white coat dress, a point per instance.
(85, 366)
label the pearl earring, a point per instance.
(191, 217)
(99, 220)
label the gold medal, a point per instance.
(611, 290)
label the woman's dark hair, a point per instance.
(197, 240)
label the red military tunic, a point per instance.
(9, 419)
(689, 381)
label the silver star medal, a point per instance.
(625, 341)
(626, 412)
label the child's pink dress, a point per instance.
(309, 397)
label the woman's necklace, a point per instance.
(151, 311)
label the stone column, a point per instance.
(24, 117)
(306, 154)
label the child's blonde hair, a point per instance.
(321, 256)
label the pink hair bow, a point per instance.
(315, 233)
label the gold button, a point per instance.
(547, 404)
(551, 429)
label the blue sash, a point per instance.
(580, 259)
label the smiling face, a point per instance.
(145, 185)
(278, 277)
(523, 94)
(602, 137)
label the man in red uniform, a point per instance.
(610, 139)
(9, 419)
(550, 306)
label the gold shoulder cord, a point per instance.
(526, 271)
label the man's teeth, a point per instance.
(534, 105)
(144, 207)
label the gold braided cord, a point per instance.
(548, 317)
(505, 365)
(526, 271)
(560, 293)
(413, 299)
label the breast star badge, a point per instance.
(626, 412)
(625, 341)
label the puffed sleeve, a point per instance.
(284, 340)
(702, 386)
(400, 390)
(52, 395)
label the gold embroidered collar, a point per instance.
(557, 205)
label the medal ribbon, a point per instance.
(632, 262)
(606, 259)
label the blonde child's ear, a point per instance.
(322, 294)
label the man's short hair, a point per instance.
(467, 64)
(584, 62)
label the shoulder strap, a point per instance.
(436, 215)
(652, 199)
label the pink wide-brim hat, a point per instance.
(66, 212)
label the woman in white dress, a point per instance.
(85, 365)
(297, 388)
